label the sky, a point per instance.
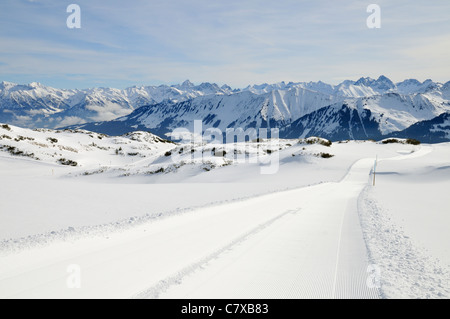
(152, 42)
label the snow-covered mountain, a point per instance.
(363, 87)
(244, 109)
(298, 110)
(366, 108)
(436, 130)
(371, 117)
(35, 105)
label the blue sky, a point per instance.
(125, 43)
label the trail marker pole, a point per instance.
(375, 170)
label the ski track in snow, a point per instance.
(318, 253)
(406, 271)
(163, 285)
(308, 243)
(15, 245)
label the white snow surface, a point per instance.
(141, 224)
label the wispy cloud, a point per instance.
(234, 42)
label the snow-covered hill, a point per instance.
(85, 153)
(82, 150)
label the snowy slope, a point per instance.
(436, 130)
(405, 220)
(145, 224)
(279, 234)
(81, 150)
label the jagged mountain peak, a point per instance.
(411, 86)
(381, 84)
(409, 82)
(209, 86)
(385, 82)
(383, 78)
(226, 87)
(4, 84)
(36, 85)
(187, 84)
(367, 81)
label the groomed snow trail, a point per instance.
(303, 243)
(317, 251)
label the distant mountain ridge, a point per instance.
(362, 109)
(36, 105)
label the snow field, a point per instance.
(315, 229)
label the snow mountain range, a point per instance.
(38, 106)
(363, 109)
